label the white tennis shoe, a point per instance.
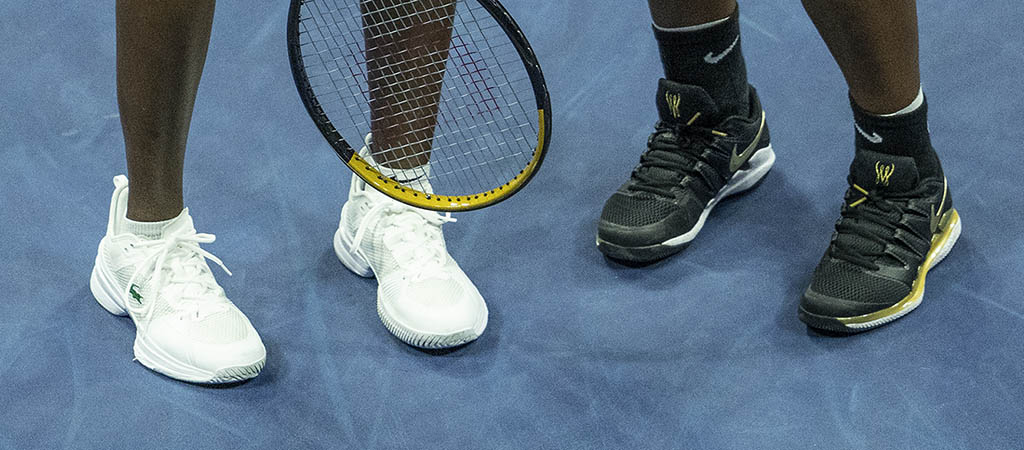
(186, 328)
(423, 296)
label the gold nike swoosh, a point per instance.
(935, 218)
(737, 161)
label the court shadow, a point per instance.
(616, 262)
(814, 332)
(220, 386)
(329, 268)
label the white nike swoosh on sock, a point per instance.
(711, 58)
(873, 138)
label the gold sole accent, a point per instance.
(950, 224)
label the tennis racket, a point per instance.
(445, 99)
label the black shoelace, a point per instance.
(674, 148)
(874, 217)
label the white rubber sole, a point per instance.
(355, 262)
(760, 163)
(429, 340)
(105, 290)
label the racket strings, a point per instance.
(482, 134)
(416, 100)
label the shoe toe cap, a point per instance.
(206, 347)
(826, 306)
(436, 306)
(841, 289)
(631, 221)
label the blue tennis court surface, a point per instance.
(700, 351)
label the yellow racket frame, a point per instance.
(448, 203)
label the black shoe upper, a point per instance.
(881, 239)
(689, 158)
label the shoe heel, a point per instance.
(350, 258)
(103, 293)
(954, 234)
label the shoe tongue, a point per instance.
(883, 172)
(678, 103)
(180, 225)
(879, 172)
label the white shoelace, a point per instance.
(419, 232)
(182, 255)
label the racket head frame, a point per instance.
(364, 170)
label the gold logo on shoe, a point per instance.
(883, 172)
(673, 101)
(935, 218)
(737, 160)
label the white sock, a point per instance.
(416, 177)
(148, 230)
(918, 101)
(697, 27)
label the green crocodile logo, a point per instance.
(135, 294)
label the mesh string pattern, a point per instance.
(436, 82)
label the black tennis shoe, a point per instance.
(895, 225)
(695, 158)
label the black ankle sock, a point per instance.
(709, 58)
(902, 135)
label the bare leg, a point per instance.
(406, 62)
(875, 44)
(161, 49)
(681, 13)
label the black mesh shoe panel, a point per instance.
(635, 210)
(845, 281)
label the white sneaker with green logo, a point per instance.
(423, 296)
(186, 328)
